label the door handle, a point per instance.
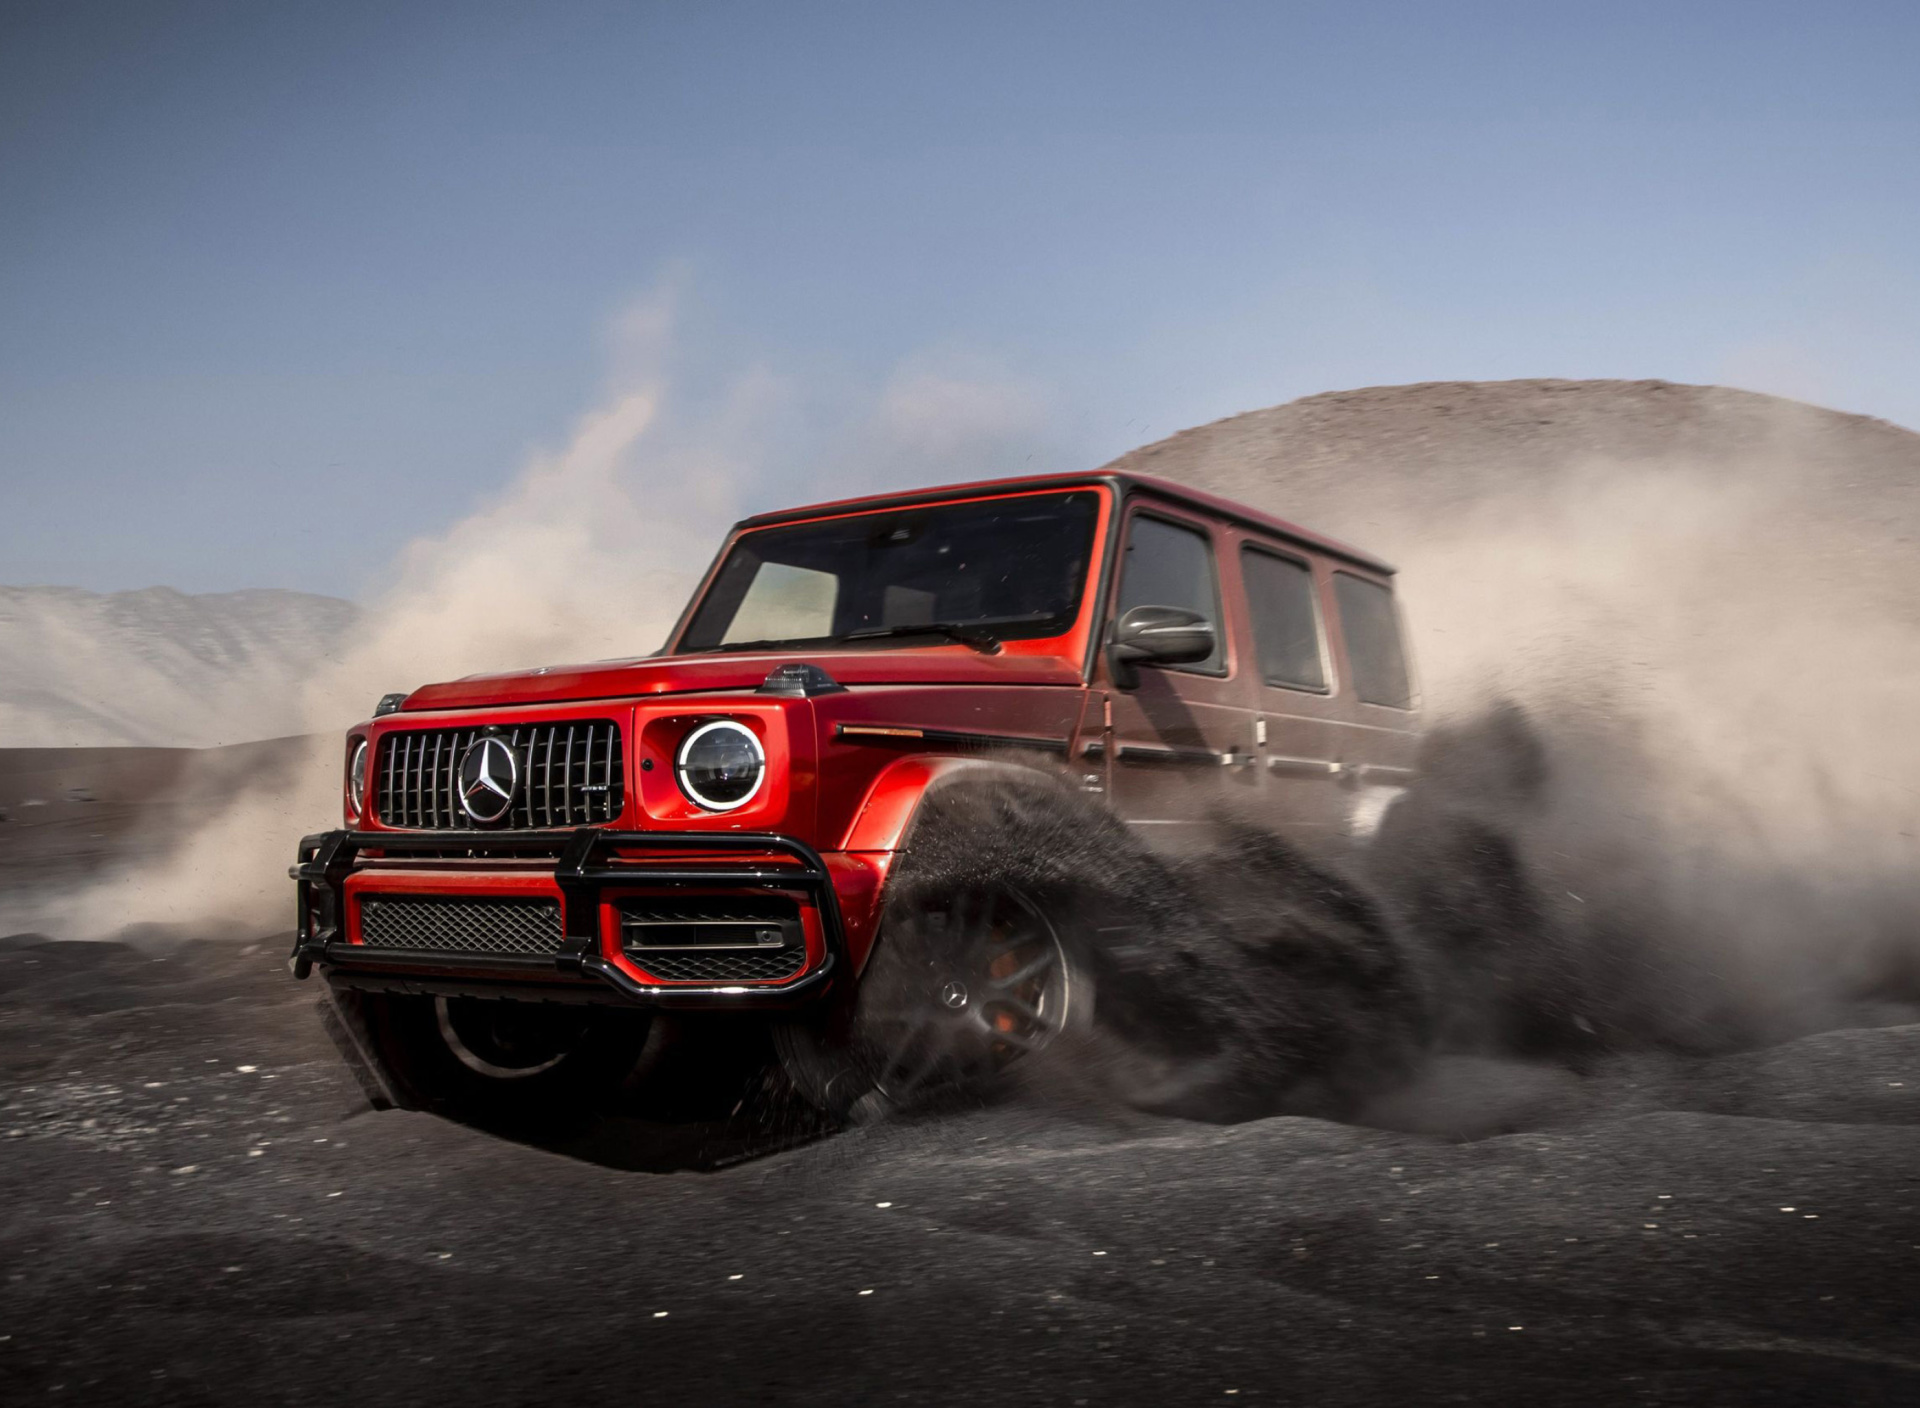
(1313, 767)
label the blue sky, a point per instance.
(283, 286)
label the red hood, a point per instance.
(686, 674)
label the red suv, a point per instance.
(533, 863)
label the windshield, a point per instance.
(995, 569)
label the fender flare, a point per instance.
(884, 823)
(887, 814)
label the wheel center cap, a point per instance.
(954, 995)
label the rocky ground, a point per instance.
(200, 1209)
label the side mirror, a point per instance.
(1157, 635)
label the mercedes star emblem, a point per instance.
(488, 772)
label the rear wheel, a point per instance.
(967, 982)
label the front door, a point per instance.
(1182, 741)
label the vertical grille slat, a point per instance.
(419, 781)
(613, 773)
(571, 773)
(387, 790)
(415, 744)
(523, 807)
(566, 780)
(546, 783)
(443, 780)
(586, 764)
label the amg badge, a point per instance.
(488, 773)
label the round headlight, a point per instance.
(357, 778)
(721, 765)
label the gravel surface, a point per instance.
(200, 1209)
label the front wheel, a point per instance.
(967, 983)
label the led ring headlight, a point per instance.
(721, 765)
(357, 778)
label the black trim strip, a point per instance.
(1151, 753)
(956, 738)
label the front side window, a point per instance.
(1002, 569)
(1286, 621)
(1372, 630)
(1169, 564)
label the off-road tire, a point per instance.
(978, 969)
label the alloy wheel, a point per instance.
(976, 980)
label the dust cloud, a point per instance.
(589, 553)
(591, 549)
(1720, 826)
(1670, 641)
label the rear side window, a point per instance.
(1373, 641)
(1286, 621)
(1168, 564)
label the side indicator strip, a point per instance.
(957, 738)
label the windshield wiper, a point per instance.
(982, 640)
(787, 643)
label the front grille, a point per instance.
(570, 774)
(714, 938)
(435, 924)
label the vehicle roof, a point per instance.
(1121, 482)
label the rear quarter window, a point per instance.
(1374, 652)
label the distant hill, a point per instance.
(1645, 536)
(158, 667)
(1381, 466)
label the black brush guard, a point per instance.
(582, 870)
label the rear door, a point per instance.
(1302, 725)
(1182, 742)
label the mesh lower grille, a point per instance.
(714, 938)
(436, 925)
(722, 966)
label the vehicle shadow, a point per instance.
(705, 1095)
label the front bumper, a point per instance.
(589, 862)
